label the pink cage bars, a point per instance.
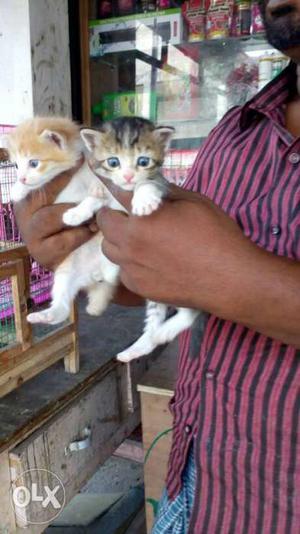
(177, 165)
(40, 279)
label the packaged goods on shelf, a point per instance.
(148, 5)
(163, 4)
(270, 65)
(120, 34)
(257, 23)
(105, 9)
(243, 18)
(194, 14)
(126, 7)
(218, 18)
(114, 105)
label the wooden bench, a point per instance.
(25, 354)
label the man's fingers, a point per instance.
(124, 197)
(45, 195)
(49, 219)
(111, 251)
(177, 193)
(63, 243)
(112, 223)
(55, 186)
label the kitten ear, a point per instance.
(90, 138)
(163, 134)
(54, 137)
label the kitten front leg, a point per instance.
(18, 191)
(83, 212)
(147, 198)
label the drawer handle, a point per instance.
(80, 444)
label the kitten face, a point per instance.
(128, 150)
(42, 148)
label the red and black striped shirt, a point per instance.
(239, 396)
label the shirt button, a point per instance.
(294, 157)
(209, 374)
(275, 230)
(188, 429)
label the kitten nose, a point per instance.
(128, 176)
(23, 180)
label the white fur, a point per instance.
(87, 268)
(98, 276)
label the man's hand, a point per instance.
(158, 254)
(190, 253)
(41, 226)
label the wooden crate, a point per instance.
(24, 356)
(156, 389)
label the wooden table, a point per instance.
(55, 412)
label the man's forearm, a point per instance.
(192, 254)
(124, 297)
(257, 289)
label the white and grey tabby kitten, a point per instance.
(130, 152)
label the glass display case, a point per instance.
(183, 66)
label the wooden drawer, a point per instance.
(96, 423)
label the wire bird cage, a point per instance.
(40, 279)
(177, 165)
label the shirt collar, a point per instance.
(273, 96)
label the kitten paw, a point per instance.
(144, 345)
(74, 217)
(145, 206)
(127, 356)
(96, 308)
(49, 316)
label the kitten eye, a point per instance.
(143, 161)
(113, 162)
(33, 163)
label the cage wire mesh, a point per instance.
(177, 165)
(40, 278)
(7, 322)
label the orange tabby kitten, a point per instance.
(42, 148)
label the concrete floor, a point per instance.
(115, 489)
